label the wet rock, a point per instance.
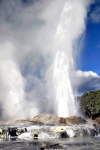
(36, 136)
(60, 132)
(63, 134)
(12, 132)
(3, 133)
(56, 146)
(21, 130)
(96, 125)
(44, 134)
(76, 131)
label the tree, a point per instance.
(90, 104)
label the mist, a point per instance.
(28, 47)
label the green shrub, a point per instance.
(90, 104)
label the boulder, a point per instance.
(97, 120)
(46, 119)
(53, 119)
(75, 120)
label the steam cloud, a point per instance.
(27, 35)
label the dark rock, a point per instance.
(12, 132)
(63, 134)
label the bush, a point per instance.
(90, 104)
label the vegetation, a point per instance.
(90, 104)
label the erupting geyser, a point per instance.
(38, 45)
(70, 27)
(65, 101)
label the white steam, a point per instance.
(33, 35)
(71, 26)
(11, 84)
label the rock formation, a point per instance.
(53, 119)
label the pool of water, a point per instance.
(76, 143)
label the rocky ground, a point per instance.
(45, 130)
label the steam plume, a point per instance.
(33, 34)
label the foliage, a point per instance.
(90, 104)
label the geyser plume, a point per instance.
(70, 27)
(38, 40)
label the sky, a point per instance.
(89, 62)
(91, 51)
(28, 47)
